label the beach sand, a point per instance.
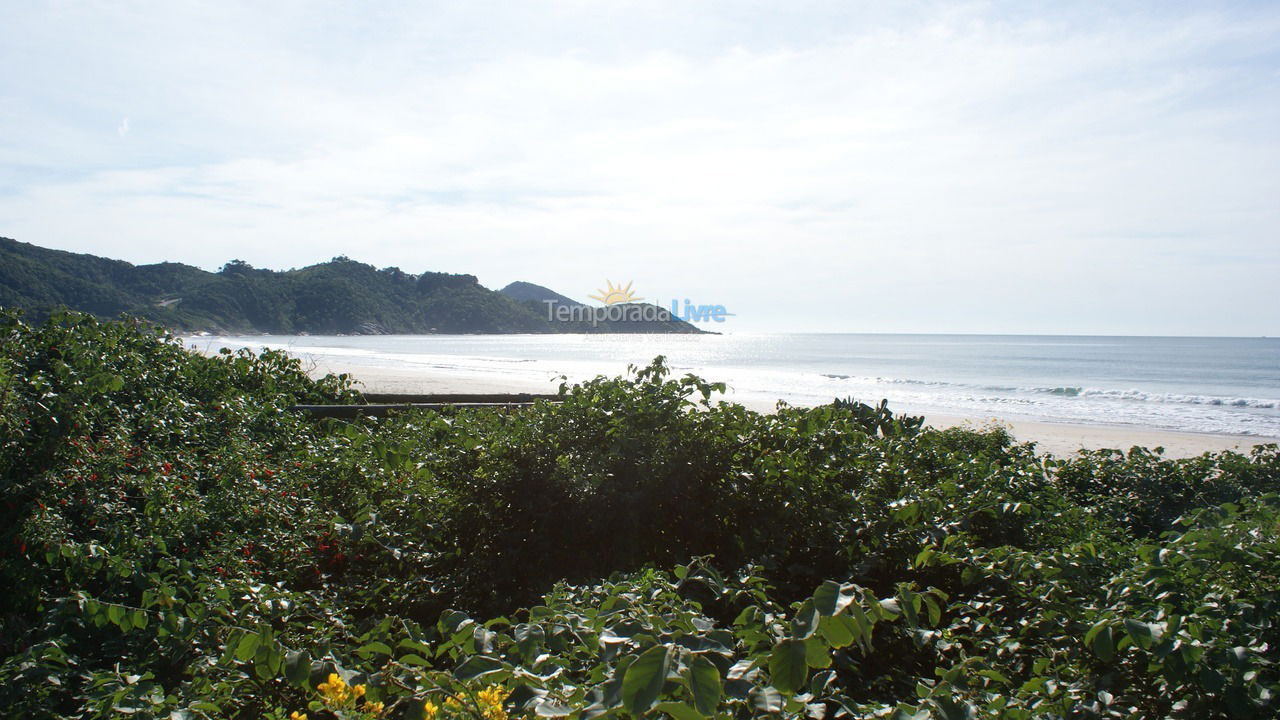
(1061, 439)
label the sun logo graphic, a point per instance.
(612, 295)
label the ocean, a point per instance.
(1215, 385)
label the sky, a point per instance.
(1018, 167)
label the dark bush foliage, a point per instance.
(176, 543)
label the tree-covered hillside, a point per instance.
(337, 297)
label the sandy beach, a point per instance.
(1064, 439)
(1061, 439)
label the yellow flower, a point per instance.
(335, 691)
(295, 715)
(493, 695)
(335, 684)
(358, 690)
(429, 710)
(375, 708)
(491, 702)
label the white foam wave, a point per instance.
(1161, 397)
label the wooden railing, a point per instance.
(380, 404)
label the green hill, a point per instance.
(341, 296)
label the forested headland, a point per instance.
(338, 297)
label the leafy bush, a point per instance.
(178, 544)
(1144, 493)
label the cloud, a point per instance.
(123, 128)
(950, 168)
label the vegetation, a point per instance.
(177, 544)
(337, 297)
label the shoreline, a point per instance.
(1062, 439)
(1066, 439)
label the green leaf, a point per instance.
(922, 557)
(704, 683)
(910, 601)
(297, 667)
(248, 647)
(934, 610)
(1093, 631)
(889, 609)
(863, 624)
(643, 681)
(529, 638)
(805, 622)
(838, 630)
(831, 597)
(1144, 634)
(477, 666)
(946, 708)
(750, 615)
(266, 661)
(995, 675)
(766, 700)
(552, 708)
(375, 647)
(679, 711)
(787, 666)
(451, 621)
(816, 653)
(1104, 645)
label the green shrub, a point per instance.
(176, 543)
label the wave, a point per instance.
(1009, 393)
(891, 380)
(1182, 399)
